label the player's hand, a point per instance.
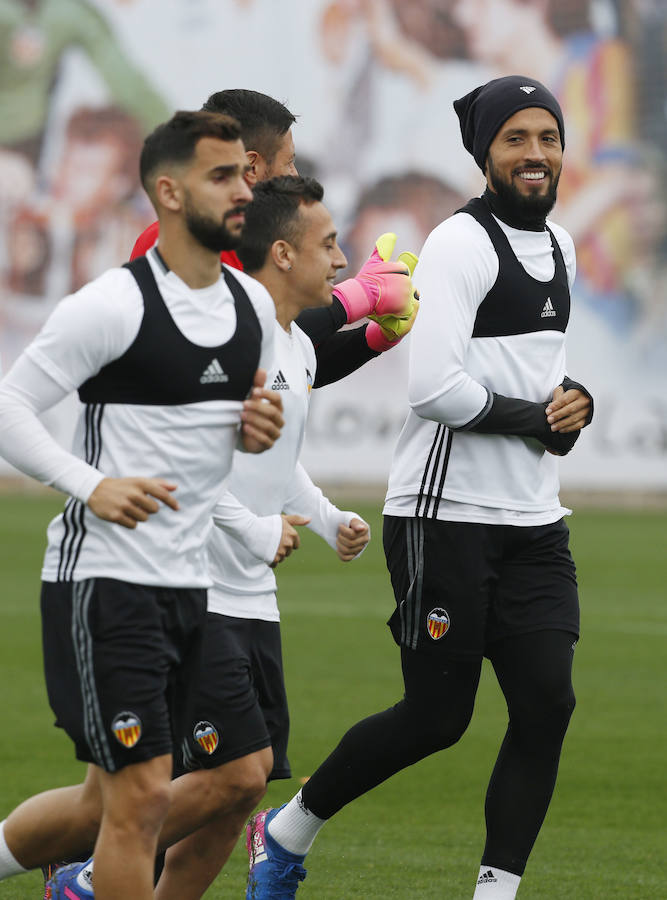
(351, 539)
(385, 332)
(381, 287)
(289, 539)
(127, 501)
(261, 417)
(568, 411)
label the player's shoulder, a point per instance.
(567, 247)
(304, 342)
(458, 231)
(461, 248)
(250, 285)
(110, 304)
(563, 237)
(113, 285)
(257, 293)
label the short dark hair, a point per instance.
(175, 141)
(274, 215)
(263, 120)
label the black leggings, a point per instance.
(534, 672)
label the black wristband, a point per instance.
(523, 418)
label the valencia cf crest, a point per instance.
(438, 623)
(127, 729)
(206, 736)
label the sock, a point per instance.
(8, 864)
(496, 884)
(85, 877)
(295, 827)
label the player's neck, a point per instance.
(286, 309)
(197, 266)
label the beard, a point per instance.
(527, 211)
(210, 233)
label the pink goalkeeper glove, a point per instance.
(385, 332)
(382, 287)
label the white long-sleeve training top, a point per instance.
(260, 488)
(189, 444)
(476, 477)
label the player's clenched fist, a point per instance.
(261, 417)
(351, 539)
(127, 501)
(289, 539)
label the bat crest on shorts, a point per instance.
(127, 729)
(437, 623)
(206, 736)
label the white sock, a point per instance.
(295, 827)
(85, 877)
(496, 884)
(8, 864)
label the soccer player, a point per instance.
(164, 354)
(381, 288)
(474, 535)
(240, 723)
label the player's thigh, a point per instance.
(442, 574)
(226, 720)
(534, 671)
(265, 647)
(537, 586)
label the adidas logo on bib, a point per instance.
(548, 310)
(213, 373)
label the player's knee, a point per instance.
(239, 785)
(436, 728)
(547, 714)
(156, 800)
(250, 784)
(141, 809)
(89, 814)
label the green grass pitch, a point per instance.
(420, 835)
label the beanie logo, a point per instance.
(527, 88)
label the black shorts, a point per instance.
(240, 705)
(120, 661)
(461, 586)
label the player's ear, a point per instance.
(252, 176)
(282, 254)
(168, 192)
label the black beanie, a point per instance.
(483, 111)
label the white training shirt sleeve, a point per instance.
(306, 499)
(456, 269)
(259, 534)
(86, 331)
(25, 443)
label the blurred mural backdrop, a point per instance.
(372, 83)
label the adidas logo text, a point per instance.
(548, 310)
(280, 383)
(213, 373)
(487, 878)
